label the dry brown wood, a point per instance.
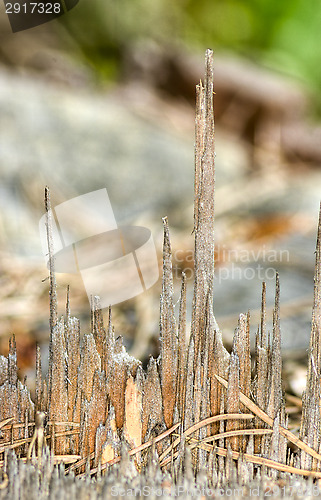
(182, 353)
(72, 331)
(132, 429)
(275, 399)
(260, 386)
(168, 333)
(15, 401)
(112, 442)
(152, 401)
(204, 205)
(98, 330)
(232, 398)
(53, 302)
(241, 347)
(58, 393)
(96, 413)
(100, 441)
(239, 375)
(227, 434)
(189, 394)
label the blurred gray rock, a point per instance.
(76, 142)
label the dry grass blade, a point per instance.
(268, 420)
(268, 463)
(222, 452)
(203, 423)
(228, 434)
(5, 422)
(203, 443)
(168, 332)
(80, 462)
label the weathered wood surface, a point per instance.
(198, 418)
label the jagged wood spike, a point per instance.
(3, 369)
(276, 394)
(283, 448)
(275, 405)
(72, 329)
(260, 383)
(89, 362)
(120, 376)
(39, 386)
(199, 148)
(202, 385)
(261, 357)
(110, 448)
(204, 205)
(310, 430)
(197, 393)
(132, 430)
(221, 443)
(261, 363)
(152, 401)
(68, 304)
(97, 408)
(121, 364)
(189, 394)
(260, 389)
(250, 451)
(218, 361)
(182, 352)
(263, 317)
(168, 333)
(205, 380)
(98, 330)
(241, 347)
(53, 302)
(12, 362)
(58, 392)
(84, 446)
(110, 344)
(261, 360)
(100, 440)
(232, 398)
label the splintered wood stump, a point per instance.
(196, 408)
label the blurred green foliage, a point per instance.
(284, 35)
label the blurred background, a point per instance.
(104, 97)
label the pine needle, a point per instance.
(268, 420)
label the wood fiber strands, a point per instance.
(168, 333)
(204, 205)
(310, 430)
